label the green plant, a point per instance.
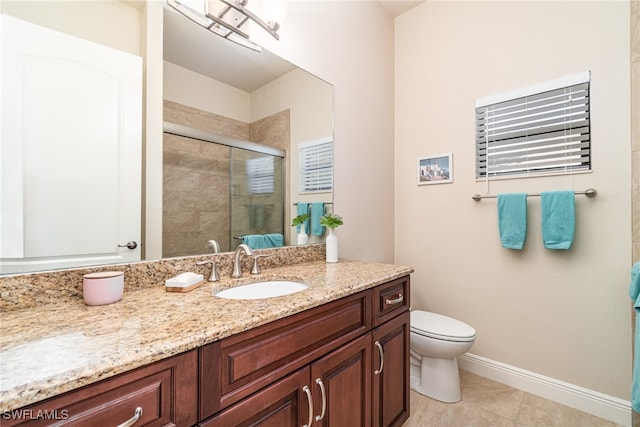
(331, 220)
(300, 219)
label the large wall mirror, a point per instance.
(211, 86)
(215, 86)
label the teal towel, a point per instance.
(254, 241)
(317, 210)
(303, 208)
(558, 218)
(274, 240)
(512, 219)
(263, 241)
(634, 292)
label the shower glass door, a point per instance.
(257, 194)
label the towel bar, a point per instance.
(326, 203)
(589, 192)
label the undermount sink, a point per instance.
(266, 289)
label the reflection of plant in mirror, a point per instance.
(300, 219)
(331, 220)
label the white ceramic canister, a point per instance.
(102, 288)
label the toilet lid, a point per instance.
(440, 327)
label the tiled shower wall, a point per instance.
(194, 209)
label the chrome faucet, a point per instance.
(214, 245)
(237, 268)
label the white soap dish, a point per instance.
(184, 282)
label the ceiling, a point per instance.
(197, 49)
(398, 7)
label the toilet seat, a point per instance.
(440, 327)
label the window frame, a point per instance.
(544, 129)
(323, 169)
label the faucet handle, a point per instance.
(213, 275)
(256, 267)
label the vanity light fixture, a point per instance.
(225, 18)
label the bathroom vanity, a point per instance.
(334, 354)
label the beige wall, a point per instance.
(562, 314)
(96, 25)
(359, 65)
(189, 88)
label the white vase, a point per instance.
(332, 246)
(303, 238)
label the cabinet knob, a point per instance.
(379, 370)
(310, 400)
(397, 300)
(131, 421)
(324, 399)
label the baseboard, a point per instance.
(595, 403)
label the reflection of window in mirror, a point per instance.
(316, 165)
(261, 174)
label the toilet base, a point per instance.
(436, 378)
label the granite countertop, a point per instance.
(48, 350)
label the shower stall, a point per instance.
(218, 188)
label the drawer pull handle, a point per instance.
(324, 399)
(379, 371)
(394, 301)
(310, 400)
(136, 416)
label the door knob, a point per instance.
(131, 245)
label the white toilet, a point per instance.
(436, 341)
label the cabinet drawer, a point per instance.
(235, 367)
(390, 299)
(166, 391)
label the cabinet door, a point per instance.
(165, 393)
(341, 386)
(282, 404)
(391, 372)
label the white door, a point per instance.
(70, 150)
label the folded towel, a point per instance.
(634, 292)
(303, 208)
(263, 241)
(634, 288)
(512, 219)
(254, 241)
(317, 210)
(558, 218)
(274, 240)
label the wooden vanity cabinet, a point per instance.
(334, 391)
(354, 374)
(236, 367)
(391, 344)
(166, 391)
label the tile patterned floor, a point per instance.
(486, 403)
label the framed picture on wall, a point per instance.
(435, 169)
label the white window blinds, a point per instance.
(545, 131)
(260, 172)
(316, 166)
